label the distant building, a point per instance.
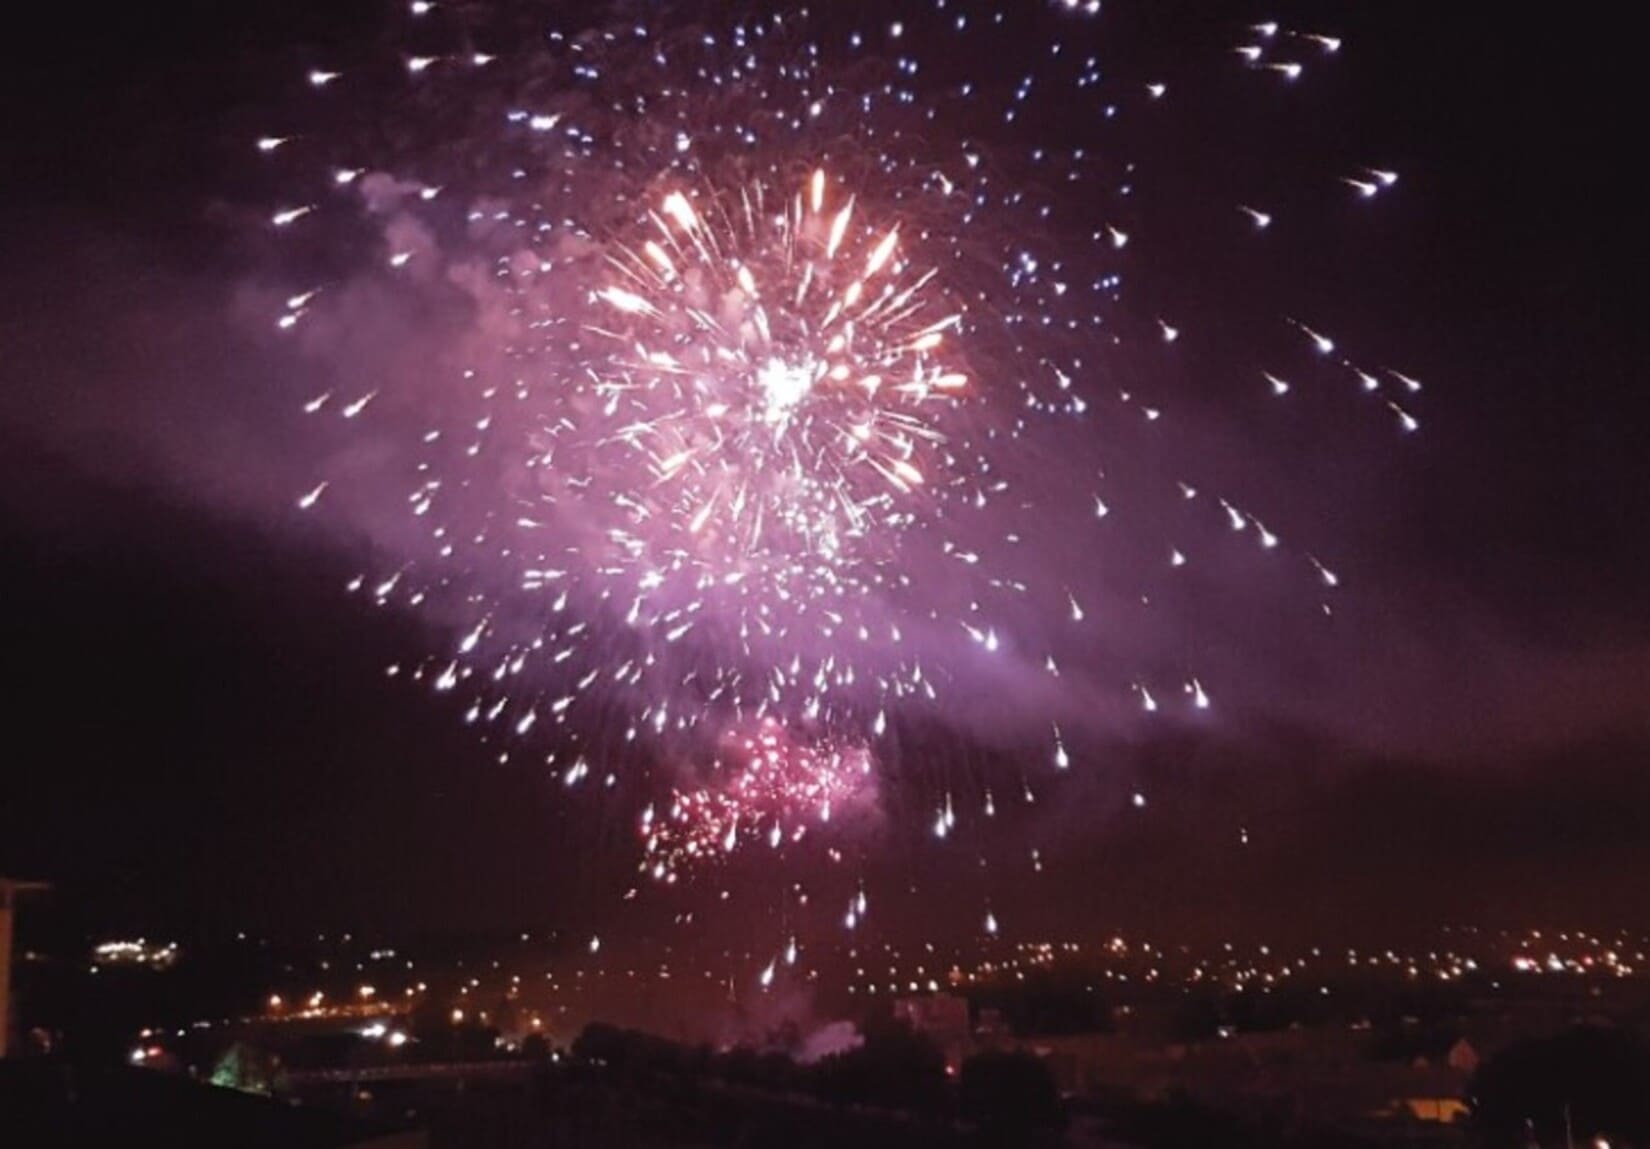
(1463, 1057)
(1322, 1075)
(991, 1028)
(1439, 1110)
(9, 889)
(942, 1017)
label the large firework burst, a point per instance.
(793, 388)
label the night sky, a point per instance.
(202, 734)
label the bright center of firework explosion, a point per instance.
(776, 368)
(785, 386)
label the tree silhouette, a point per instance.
(1010, 1095)
(1580, 1085)
(896, 1067)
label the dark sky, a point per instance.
(201, 733)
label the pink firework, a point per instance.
(770, 787)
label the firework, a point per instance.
(796, 392)
(768, 788)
